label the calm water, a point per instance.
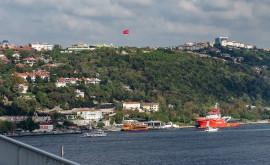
(247, 144)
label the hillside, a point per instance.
(183, 80)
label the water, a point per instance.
(247, 144)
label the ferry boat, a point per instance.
(95, 133)
(134, 127)
(215, 120)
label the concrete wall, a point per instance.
(13, 152)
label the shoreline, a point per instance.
(64, 133)
(41, 134)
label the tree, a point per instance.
(112, 120)
(38, 80)
(6, 126)
(119, 117)
(28, 79)
(28, 124)
(18, 79)
(100, 124)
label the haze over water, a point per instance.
(247, 144)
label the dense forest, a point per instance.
(184, 84)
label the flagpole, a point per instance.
(128, 39)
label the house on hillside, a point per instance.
(79, 93)
(33, 75)
(132, 106)
(61, 83)
(20, 65)
(150, 107)
(22, 88)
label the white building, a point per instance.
(132, 105)
(39, 46)
(236, 44)
(90, 114)
(33, 75)
(81, 46)
(150, 106)
(79, 93)
(23, 88)
(61, 82)
(16, 55)
(45, 127)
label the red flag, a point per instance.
(125, 31)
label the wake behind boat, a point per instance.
(210, 129)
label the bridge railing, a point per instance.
(13, 152)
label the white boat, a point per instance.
(95, 133)
(210, 129)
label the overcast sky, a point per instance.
(151, 22)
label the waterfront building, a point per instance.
(90, 114)
(42, 118)
(45, 127)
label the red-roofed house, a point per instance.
(4, 60)
(29, 60)
(61, 83)
(16, 48)
(20, 65)
(91, 80)
(32, 75)
(49, 65)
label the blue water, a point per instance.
(247, 144)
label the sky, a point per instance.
(150, 22)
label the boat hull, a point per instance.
(134, 128)
(217, 123)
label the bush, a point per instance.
(100, 124)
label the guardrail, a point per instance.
(13, 152)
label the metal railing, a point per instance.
(13, 152)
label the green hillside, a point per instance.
(189, 83)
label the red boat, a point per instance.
(215, 120)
